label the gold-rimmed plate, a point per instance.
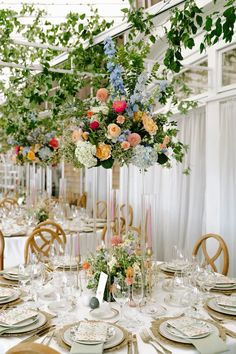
(40, 321)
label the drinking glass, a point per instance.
(120, 292)
(137, 289)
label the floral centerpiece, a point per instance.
(118, 126)
(32, 140)
(121, 260)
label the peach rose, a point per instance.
(149, 124)
(134, 139)
(166, 140)
(116, 240)
(102, 94)
(85, 135)
(103, 151)
(120, 119)
(31, 155)
(76, 135)
(113, 130)
(125, 145)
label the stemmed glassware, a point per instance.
(120, 292)
(137, 289)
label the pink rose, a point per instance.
(17, 150)
(134, 139)
(116, 240)
(125, 145)
(113, 130)
(119, 106)
(94, 125)
(120, 119)
(102, 94)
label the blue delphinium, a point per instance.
(144, 156)
(115, 70)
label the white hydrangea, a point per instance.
(85, 153)
(102, 108)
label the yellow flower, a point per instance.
(149, 124)
(31, 155)
(137, 116)
(103, 151)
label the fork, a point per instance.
(145, 340)
(151, 337)
(48, 338)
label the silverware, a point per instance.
(47, 339)
(130, 349)
(147, 341)
(151, 335)
(135, 342)
(37, 334)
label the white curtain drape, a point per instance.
(228, 178)
(179, 198)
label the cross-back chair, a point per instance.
(50, 224)
(222, 248)
(82, 201)
(8, 203)
(2, 246)
(115, 228)
(101, 211)
(40, 241)
(130, 213)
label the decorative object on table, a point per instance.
(222, 248)
(177, 342)
(94, 302)
(117, 342)
(121, 260)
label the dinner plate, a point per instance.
(10, 276)
(165, 268)
(115, 340)
(165, 333)
(212, 304)
(222, 288)
(40, 321)
(24, 323)
(104, 315)
(178, 334)
(11, 298)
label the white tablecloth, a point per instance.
(82, 312)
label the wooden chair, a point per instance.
(130, 213)
(114, 228)
(31, 348)
(39, 242)
(8, 203)
(101, 211)
(221, 248)
(2, 246)
(49, 224)
(82, 201)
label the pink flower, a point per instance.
(134, 139)
(17, 150)
(54, 143)
(102, 94)
(120, 119)
(125, 145)
(119, 106)
(94, 125)
(129, 281)
(116, 240)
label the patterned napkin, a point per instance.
(227, 301)
(222, 279)
(189, 327)
(6, 292)
(91, 332)
(15, 316)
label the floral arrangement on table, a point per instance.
(117, 125)
(32, 140)
(121, 260)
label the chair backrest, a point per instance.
(49, 224)
(114, 228)
(82, 201)
(201, 243)
(2, 246)
(31, 348)
(7, 203)
(39, 242)
(130, 213)
(101, 211)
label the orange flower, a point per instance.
(89, 114)
(137, 116)
(31, 155)
(129, 272)
(102, 94)
(85, 135)
(103, 151)
(125, 145)
(113, 130)
(149, 124)
(85, 266)
(120, 119)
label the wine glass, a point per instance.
(120, 292)
(137, 289)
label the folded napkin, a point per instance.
(211, 344)
(79, 348)
(227, 301)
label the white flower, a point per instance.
(85, 153)
(112, 262)
(102, 108)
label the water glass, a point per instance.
(120, 292)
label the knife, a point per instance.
(38, 334)
(136, 351)
(130, 349)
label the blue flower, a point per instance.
(45, 153)
(121, 138)
(163, 85)
(25, 150)
(144, 156)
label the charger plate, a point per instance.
(123, 341)
(218, 314)
(155, 328)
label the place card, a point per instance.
(101, 287)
